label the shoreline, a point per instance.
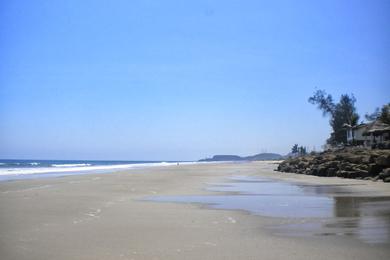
(24, 173)
(101, 216)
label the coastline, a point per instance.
(102, 216)
(347, 162)
(52, 169)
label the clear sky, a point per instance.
(181, 80)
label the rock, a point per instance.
(331, 164)
(354, 159)
(385, 173)
(346, 166)
(383, 160)
(303, 164)
(367, 159)
(294, 161)
(314, 171)
(374, 169)
(363, 167)
(386, 179)
(373, 158)
(342, 173)
(322, 170)
(358, 174)
(331, 172)
(346, 163)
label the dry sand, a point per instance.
(102, 216)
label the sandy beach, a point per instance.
(104, 216)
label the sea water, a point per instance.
(28, 169)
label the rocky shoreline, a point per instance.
(353, 163)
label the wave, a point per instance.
(71, 165)
(81, 168)
(34, 163)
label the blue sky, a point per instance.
(181, 80)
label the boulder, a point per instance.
(314, 171)
(356, 159)
(342, 173)
(347, 163)
(303, 164)
(383, 160)
(374, 169)
(331, 164)
(358, 174)
(385, 173)
(366, 160)
(322, 170)
(331, 172)
(346, 166)
(386, 179)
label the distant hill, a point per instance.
(257, 157)
(264, 157)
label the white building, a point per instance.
(369, 134)
(355, 134)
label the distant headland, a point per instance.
(257, 157)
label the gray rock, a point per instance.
(346, 163)
(386, 179)
(383, 160)
(331, 172)
(358, 174)
(385, 173)
(374, 169)
(342, 173)
(354, 159)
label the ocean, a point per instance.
(30, 169)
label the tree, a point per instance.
(298, 150)
(385, 114)
(323, 101)
(341, 113)
(294, 149)
(302, 150)
(380, 114)
(374, 116)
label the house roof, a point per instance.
(355, 127)
(377, 127)
(360, 126)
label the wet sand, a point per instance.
(105, 216)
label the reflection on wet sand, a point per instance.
(366, 217)
(311, 209)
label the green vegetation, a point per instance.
(380, 114)
(298, 150)
(341, 113)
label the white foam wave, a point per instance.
(72, 165)
(67, 169)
